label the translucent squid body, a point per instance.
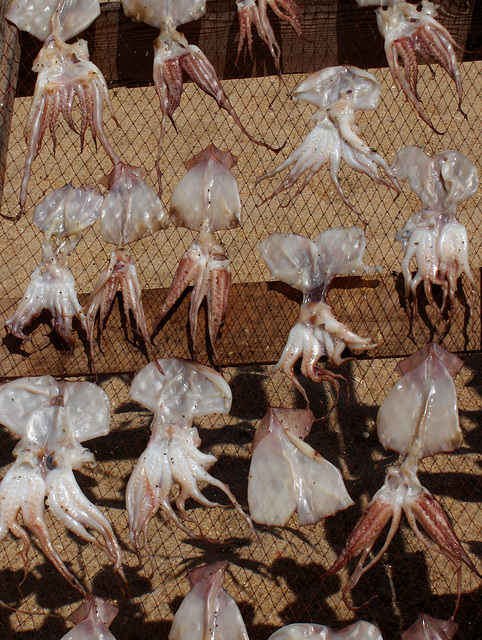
(338, 93)
(130, 211)
(183, 391)
(306, 631)
(64, 72)
(411, 29)
(287, 475)
(205, 200)
(417, 419)
(433, 237)
(428, 628)
(254, 12)
(52, 418)
(92, 620)
(61, 216)
(208, 611)
(310, 266)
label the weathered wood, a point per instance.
(123, 50)
(371, 307)
(9, 64)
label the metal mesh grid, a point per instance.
(275, 581)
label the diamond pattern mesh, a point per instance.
(274, 579)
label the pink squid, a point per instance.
(205, 200)
(254, 12)
(64, 73)
(417, 419)
(408, 30)
(130, 210)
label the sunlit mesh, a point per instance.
(275, 579)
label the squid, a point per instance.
(408, 30)
(120, 272)
(173, 55)
(205, 200)
(62, 216)
(254, 12)
(64, 72)
(52, 418)
(307, 631)
(287, 475)
(428, 628)
(92, 620)
(338, 93)
(401, 492)
(208, 611)
(419, 417)
(433, 237)
(183, 391)
(129, 211)
(310, 266)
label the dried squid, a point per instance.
(184, 391)
(130, 211)
(433, 236)
(208, 611)
(428, 628)
(205, 200)
(338, 93)
(408, 30)
(310, 266)
(428, 426)
(64, 72)
(306, 631)
(92, 620)
(52, 419)
(287, 475)
(173, 55)
(255, 13)
(62, 216)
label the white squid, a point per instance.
(428, 628)
(183, 391)
(307, 631)
(61, 216)
(338, 93)
(208, 611)
(433, 237)
(52, 418)
(310, 266)
(287, 475)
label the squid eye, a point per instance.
(50, 462)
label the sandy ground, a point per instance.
(275, 579)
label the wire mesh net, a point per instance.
(274, 579)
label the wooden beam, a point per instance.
(9, 64)
(255, 330)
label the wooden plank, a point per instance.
(123, 50)
(9, 64)
(255, 330)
